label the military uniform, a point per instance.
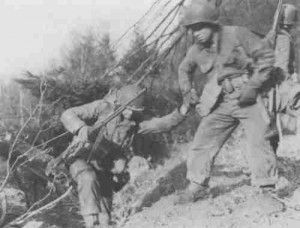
(95, 181)
(287, 90)
(235, 63)
(284, 52)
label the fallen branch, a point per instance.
(20, 220)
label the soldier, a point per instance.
(96, 179)
(236, 63)
(282, 41)
(285, 70)
(284, 49)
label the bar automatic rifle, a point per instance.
(273, 94)
(77, 145)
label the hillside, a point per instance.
(148, 200)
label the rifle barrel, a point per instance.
(118, 111)
(277, 15)
(108, 119)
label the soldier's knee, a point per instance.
(86, 177)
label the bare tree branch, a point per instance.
(21, 219)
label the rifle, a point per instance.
(277, 17)
(273, 93)
(77, 145)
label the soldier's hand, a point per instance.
(162, 124)
(184, 109)
(119, 166)
(191, 98)
(84, 133)
(249, 94)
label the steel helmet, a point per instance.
(289, 14)
(127, 93)
(199, 13)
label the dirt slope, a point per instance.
(232, 202)
(147, 201)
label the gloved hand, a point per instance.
(119, 166)
(249, 94)
(84, 133)
(191, 98)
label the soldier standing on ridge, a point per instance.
(236, 63)
(284, 45)
(285, 72)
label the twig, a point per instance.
(140, 67)
(44, 143)
(163, 43)
(165, 18)
(135, 24)
(39, 132)
(157, 14)
(149, 58)
(33, 157)
(40, 201)
(43, 88)
(156, 28)
(53, 103)
(3, 207)
(170, 22)
(162, 56)
(9, 169)
(24, 217)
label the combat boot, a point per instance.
(268, 189)
(91, 221)
(105, 220)
(191, 194)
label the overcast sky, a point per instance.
(33, 31)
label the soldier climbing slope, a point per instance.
(236, 63)
(97, 175)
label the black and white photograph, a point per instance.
(150, 114)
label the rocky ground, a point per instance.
(148, 200)
(232, 202)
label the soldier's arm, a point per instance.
(262, 55)
(185, 70)
(162, 124)
(75, 118)
(167, 122)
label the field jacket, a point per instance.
(119, 132)
(233, 52)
